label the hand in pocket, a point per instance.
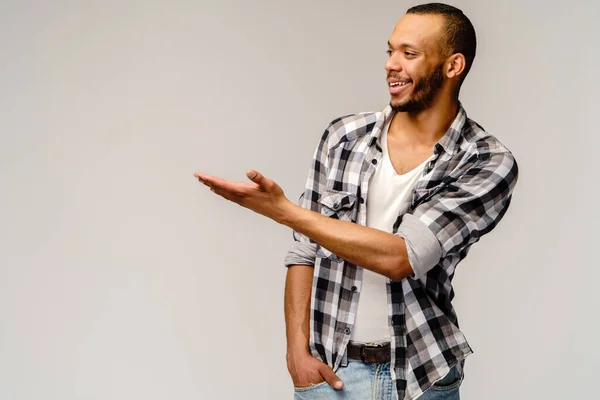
(306, 371)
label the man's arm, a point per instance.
(298, 285)
(303, 367)
(369, 248)
(454, 218)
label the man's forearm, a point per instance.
(369, 248)
(298, 284)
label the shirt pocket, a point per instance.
(338, 205)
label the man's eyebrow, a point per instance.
(404, 45)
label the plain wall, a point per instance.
(122, 277)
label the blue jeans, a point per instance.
(369, 381)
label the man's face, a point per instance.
(415, 67)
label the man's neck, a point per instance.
(425, 128)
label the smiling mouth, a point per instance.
(398, 87)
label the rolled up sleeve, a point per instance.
(303, 250)
(460, 213)
(301, 254)
(423, 248)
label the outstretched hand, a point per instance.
(263, 196)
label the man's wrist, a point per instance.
(289, 213)
(297, 343)
(297, 351)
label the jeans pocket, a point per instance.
(310, 387)
(451, 381)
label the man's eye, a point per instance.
(389, 52)
(409, 54)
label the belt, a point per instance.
(369, 352)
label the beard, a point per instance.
(423, 93)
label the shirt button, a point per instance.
(362, 200)
(374, 161)
(347, 331)
(354, 289)
(336, 206)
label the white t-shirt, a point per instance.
(389, 194)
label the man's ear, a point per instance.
(455, 65)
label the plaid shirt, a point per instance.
(464, 192)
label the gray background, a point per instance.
(121, 277)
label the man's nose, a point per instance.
(392, 64)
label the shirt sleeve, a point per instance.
(303, 250)
(461, 213)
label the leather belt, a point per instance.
(369, 352)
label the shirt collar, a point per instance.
(449, 142)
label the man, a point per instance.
(392, 203)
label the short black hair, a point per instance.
(460, 33)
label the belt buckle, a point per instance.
(362, 352)
(372, 345)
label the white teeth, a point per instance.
(397, 83)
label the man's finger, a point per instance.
(259, 179)
(211, 180)
(331, 378)
(255, 176)
(234, 188)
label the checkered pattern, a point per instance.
(464, 192)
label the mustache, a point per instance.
(399, 78)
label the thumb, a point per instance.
(258, 178)
(331, 378)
